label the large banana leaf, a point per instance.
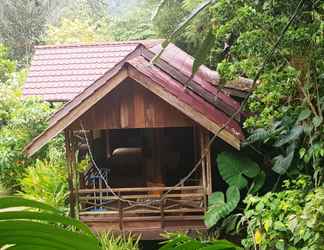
(235, 168)
(41, 227)
(218, 208)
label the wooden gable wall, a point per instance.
(132, 106)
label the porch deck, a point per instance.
(148, 211)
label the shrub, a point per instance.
(110, 241)
(20, 121)
(45, 182)
(182, 241)
(291, 219)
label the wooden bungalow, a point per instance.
(143, 127)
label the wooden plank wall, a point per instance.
(132, 106)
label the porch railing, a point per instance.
(143, 201)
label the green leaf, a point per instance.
(259, 134)
(216, 198)
(233, 169)
(41, 229)
(224, 244)
(258, 182)
(219, 209)
(280, 245)
(190, 245)
(282, 163)
(203, 51)
(13, 232)
(15, 201)
(185, 23)
(158, 9)
(292, 135)
(191, 16)
(46, 217)
(304, 115)
(317, 121)
(221, 245)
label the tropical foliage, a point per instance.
(184, 242)
(27, 224)
(234, 169)
(286, 105)
(109, 241)
(289, 219)
(285, 127)
(46, 182)
(21, 120)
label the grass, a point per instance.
(110, 241)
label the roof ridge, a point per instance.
(86, 44)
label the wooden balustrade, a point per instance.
(123, 203)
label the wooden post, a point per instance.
(69, 158)
(75, 173)
(203, 165)
(162, 210)
(120, 209)
(208, 165)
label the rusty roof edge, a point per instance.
(233, 84)
(218, 103)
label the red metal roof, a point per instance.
(60, 72)
(186, 96)
(205, 77)
(90, 79)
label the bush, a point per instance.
(182, 241)
(291, 219)
(20, 121)
(45, 182)
(119, 242)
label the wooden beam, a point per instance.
(183, 107)
(203, 165)
(142, 189)
(74, 114)
(208, 164)
(192, 196)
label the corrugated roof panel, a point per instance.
(186, 96)
(63, 71)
